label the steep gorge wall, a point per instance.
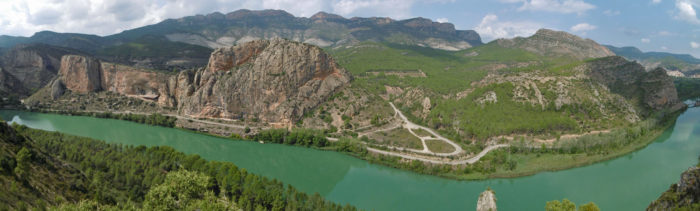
(654, 89)
(275, 81)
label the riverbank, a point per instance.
(613, 185)
(507, 162)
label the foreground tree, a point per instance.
(566, 205)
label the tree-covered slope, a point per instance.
(40, 168)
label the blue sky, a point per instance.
(651, 25)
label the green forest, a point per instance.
(117, 177)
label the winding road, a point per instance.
(410, 126)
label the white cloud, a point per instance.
(558, 6)
(694, 45)
(686, 11)
(104, 17)
(442, 20)
(581, 27)
(646, 40)
(611, 12)
(655, 1)
(664, 48)
(491, 28)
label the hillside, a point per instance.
(40, 169)
(186, 42)
(32, 177)
(535, 89)
(326, 30)
(274, 82)
(678, 64)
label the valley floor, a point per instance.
(506, 157)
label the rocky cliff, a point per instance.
(31, 66)
(685, 195)
(557, 44)
(273, 81)
(10, 84)
(654, 90)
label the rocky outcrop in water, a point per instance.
(487, 201)
(685, 195)
(274, 81)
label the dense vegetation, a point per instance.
(522, 158)
(300, 137)
(120, 177)
(688, 88)
(151, 119)
(566, 205)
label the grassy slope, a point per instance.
(452, 72)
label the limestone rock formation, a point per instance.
(487, 201)
(80, 73)
(32, 66)
(557, 44)
(685, 194)
(9, 84)
(275, 81)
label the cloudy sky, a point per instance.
(651, 25)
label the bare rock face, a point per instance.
(685, 195)
(80, 73)
(57, 89)
(10, 84)
(655, 89)
(487, 201)
(138, 83)
(33, 66)
(659, 89)
(274, 81)
(557, 43)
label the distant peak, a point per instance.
(244, 12)
(326, 16)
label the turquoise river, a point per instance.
(629, 182)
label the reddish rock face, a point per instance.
(223, 59)
(80, 74)
(275, 81)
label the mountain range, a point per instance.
(682, 65)
(186, 42)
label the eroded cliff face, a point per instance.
(80, 73)
(654, 90)
(31, 66)
(274, 81)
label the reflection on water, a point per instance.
(627, 183)
(37, 123)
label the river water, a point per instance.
(630, 182)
